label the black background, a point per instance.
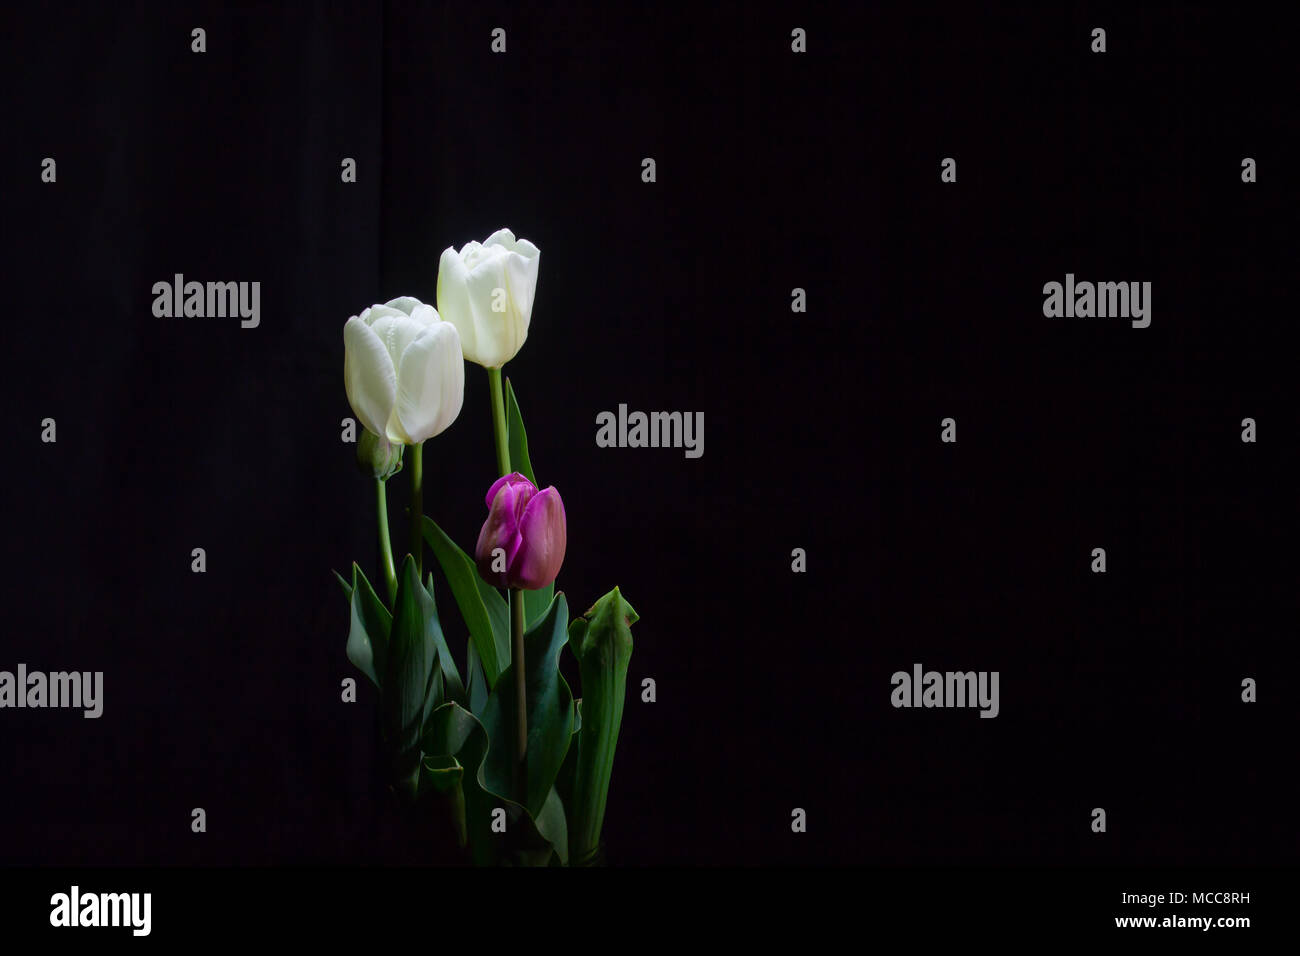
(775, 170)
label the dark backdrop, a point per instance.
(775, 171)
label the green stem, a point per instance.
(521, 695)
(385, 544)
(516, 599)
(499, 420)
(416, 465)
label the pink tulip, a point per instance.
(522, 541)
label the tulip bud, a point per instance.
(403, 370)
(522, 542)
(486, 290)
(378, 456)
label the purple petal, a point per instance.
(513, 478)
(544, 530)
(501, 530)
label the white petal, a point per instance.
(369, 375)
(521, 282)
(470, 253)
(376, 312)
(493, 338)
(453, 300)
(502, 237)
(425, 314)
(397, 331)
(430, 385)
(405, 304)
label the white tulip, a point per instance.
(403, 370)
(486, 291)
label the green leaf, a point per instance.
(412, 678)
(569, 769)
(445, 777)
(370, 625)
(486, 613)
(476, 684)
(536, 603)
(343, 582)
(550, 713)
(448, 730)
(463, 737)
(434, 693)
(602, 641)
(552, 825)
(450, 673)
(442, 775)
(516, 437)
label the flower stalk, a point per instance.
(417, 508)
(499, 421)
(516, 595)
(385, 544)
(521, 697)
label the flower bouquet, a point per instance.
(519, 764)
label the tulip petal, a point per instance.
(513, 478)
(506, 239)
(368, 375)
(501, 530)
(404, 304)
(468, 284)
(376, 312)
(397, 332)
(415, 309)
(425, 314)
(430, 385)
(545, 537)
(521, 284)
(472, 253)
(453, 301)
(502, 237)
(493, 335)
(516, 497)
